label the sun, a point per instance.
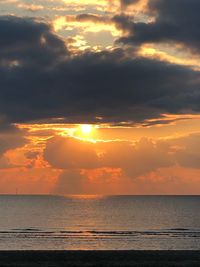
(86, 128)
(85, 132)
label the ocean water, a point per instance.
(99, 222)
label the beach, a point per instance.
(99, 258)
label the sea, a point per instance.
(99, 222)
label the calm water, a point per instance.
(115, 222)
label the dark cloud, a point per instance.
(93, 18)
(176, 21)
(125, 23)
(10, 138)
(6, 127)
(125, 3)
(27, 42)
(40, 79)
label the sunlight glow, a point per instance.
(86, 128)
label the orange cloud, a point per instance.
(54, 158)
(95, 166)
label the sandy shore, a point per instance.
(100, 258)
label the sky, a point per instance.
(100, 97)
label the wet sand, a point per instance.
(100, 258)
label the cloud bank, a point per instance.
(41, 79)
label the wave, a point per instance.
(89, 234)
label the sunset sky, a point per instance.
(99, 97)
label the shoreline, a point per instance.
(100, 258)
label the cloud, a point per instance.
(5, 163)
(41, 79)
(10, 141)
(176, 21)
(134, 160)
(10, 138)
(147, 165)
(126, 3)
(31, 7)
(84, 23)
(188, 154)
(25, 41)
(139, 159)
(92, 18)
(65, 21)
(32, 154)
(70, 153)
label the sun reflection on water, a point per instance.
(86, 197)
